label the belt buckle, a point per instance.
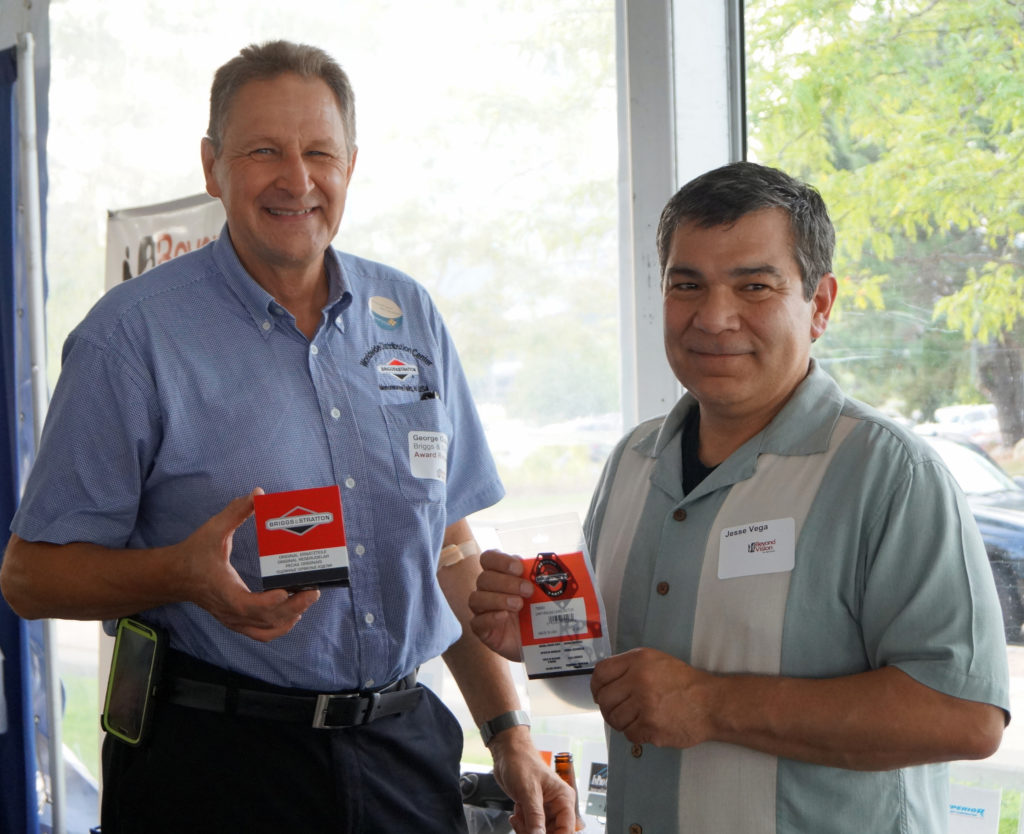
(323, 703)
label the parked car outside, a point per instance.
(977, 423)
(997, 502)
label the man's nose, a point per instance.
(717, 310)
(293, 175)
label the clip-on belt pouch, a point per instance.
(134, 675)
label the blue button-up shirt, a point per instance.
(189, 386)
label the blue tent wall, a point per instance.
(18, 798)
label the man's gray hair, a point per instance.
(264, 61)
(724, 195)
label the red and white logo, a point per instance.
(552, 577)
(398, 369)
(299, 521)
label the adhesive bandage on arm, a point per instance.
(455, 553)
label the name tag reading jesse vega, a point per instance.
(756, 548)
(301, 538)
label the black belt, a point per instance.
(323, 711)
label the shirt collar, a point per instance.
(339, 299)
(804, 426)
(260, 304)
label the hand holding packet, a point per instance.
(300, 535)
(562, 625)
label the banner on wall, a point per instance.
(140, 238)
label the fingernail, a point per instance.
(526, 588)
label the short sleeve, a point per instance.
(930, 605)
(100, 434)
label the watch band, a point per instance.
(505, 721)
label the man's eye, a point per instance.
(262, 152)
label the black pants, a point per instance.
(203, 772)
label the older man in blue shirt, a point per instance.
(270, 361)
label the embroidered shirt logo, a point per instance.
(398, 369)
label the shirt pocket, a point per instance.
(419, 433)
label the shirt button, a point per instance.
(636, 829)
(360, 550)
(368, 619)
(662, 588)
(314, 349)
(637, 751)
(350, 482)
(266, 325)
(679, 515)
(335, 413)
(368, 683)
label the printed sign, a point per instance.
(973, 810)
(597, 790)
(301, 538)
(140, 238)
(563, 632)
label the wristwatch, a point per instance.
(505, 721)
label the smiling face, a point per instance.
(282, 174)
(738, 331)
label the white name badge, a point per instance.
(428, 455)
(757, 548)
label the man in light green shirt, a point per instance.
(803, 615)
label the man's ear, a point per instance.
(209, 157)
(351, 166)
(821, 304)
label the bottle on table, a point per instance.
(566, 770)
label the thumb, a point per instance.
(238, 510)
(530, 815)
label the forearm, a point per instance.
(543, 802)
(877, 720)
(82, 581)
(486, 685)
(482, 676)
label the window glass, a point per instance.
(976, 474)
(487, 170)
(906, 115)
